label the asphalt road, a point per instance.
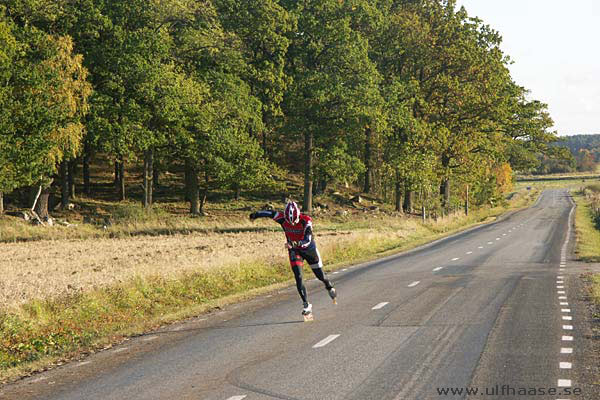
(486, 309)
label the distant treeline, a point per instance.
(400, 98)
(584, 155)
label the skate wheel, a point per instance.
(308, 318)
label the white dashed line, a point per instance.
(380, 305)
(504, 234)
(562, 297)
(560, 282)
(567, 338)
(490, 242)
(565, 365)
(564, 303)
(415, 283)
(497, 238)
(469, 252)
(566, 310)
(560, 287)
(568, 327)
(438, 269)
(564, 383)
(237, 397)
(567, 318)
(561, 292)
(480, 247)
(566, 350)
(326, 341)
(455, 259)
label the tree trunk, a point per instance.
(155, 175)
(117, 172)
(148, 178)
(122, 180)
(1, 203)
(445, 193)
(408, 199)
(188, 174)
(64, 185)
(238, 192)
(368, 166)
(192, 189)
(72, 166)
(467, 202)
(398, 193)
(87, 188)
(41, 205)
(308, 179)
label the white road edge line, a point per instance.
(326, 341)
(455, 259)
(237, 397)
(415, 283)
(438, 269)
(469, 252)
(380, 305)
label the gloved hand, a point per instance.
(253, 216)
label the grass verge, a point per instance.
(42, 332)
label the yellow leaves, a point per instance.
(504, 177)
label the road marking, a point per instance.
(504, 234)
(561, 292)
(326, 341)
(437, 269)
(560, 287)
(567, 318)
(149, 338)
(120, 350)
(567, 310)
(568, 327)
(560, 282)
(336, 272)
(81, 364)
(380, 305)
(564, 383)
(480, 247)
(490, 242)
(566, 350)
(237, 397)
(562, 297)
(345, 269)
(497, 238)
(560, 277)
(565, 365)
(567, 338)
(455, 259)
(469, 252)
(41, 378)
(415, 283)
(564, 303)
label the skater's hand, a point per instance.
(253, 216)
(288, 245)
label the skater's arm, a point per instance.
(264, 214)
(308, 236)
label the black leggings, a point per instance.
(319, 273)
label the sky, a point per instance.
(555, 47)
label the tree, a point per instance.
(334, 85)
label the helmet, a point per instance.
(292, 213)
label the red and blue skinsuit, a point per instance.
(301, 246)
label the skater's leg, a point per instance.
(320, 274)
(299, 284)
(296, 263)
(316, 264)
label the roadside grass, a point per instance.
(38, 332)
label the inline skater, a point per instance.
(301, 246)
